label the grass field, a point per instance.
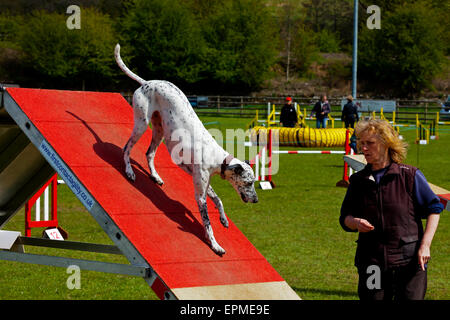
(295, 226)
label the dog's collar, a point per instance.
(224, 165)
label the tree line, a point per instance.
(221, 46)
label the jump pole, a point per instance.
(309, 152)
(342, 183)
(269, 171)
(35, 201)
(260, 174)
(345, 182)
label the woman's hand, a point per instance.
(424, 250)
(362, 225)
(424, 255)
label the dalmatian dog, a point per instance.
(190, 145)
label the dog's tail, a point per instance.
(124, 68)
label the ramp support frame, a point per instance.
(12, 116)
(108, 267)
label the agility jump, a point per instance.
(265, 139)
(304, 137)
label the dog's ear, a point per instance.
(236, 168)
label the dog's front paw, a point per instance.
(218, 249)
(157, 180)
(130, 175)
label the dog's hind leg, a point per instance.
(138, 130)
(157, 136)
(215, 198)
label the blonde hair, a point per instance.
(397, 148)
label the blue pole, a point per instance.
(355, 47)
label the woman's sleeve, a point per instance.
(427, 200)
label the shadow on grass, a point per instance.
(304, 292)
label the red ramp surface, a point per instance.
(83, 134)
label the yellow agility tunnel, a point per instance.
(303, 137)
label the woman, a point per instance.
(385, 203)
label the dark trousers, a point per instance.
(399, 283)
(350, 123)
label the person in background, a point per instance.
(321, 109)
(385, 203)
(350, 113)
(288, 117)
(352, 143)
